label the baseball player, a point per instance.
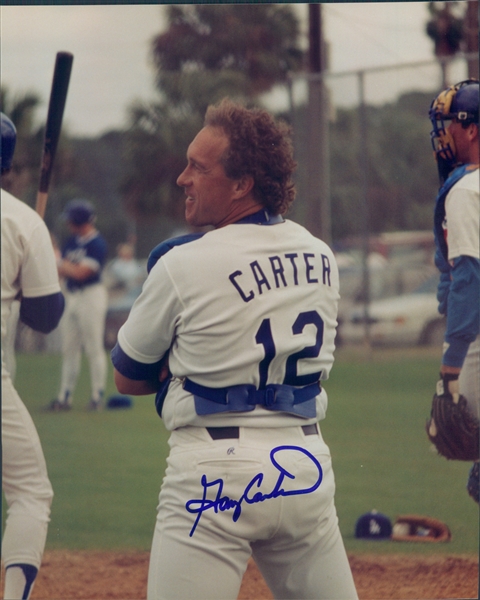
(83, 324)
(454, 116)
(246, 314)
(28, 272)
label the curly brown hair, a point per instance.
(260, 147)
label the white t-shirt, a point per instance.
(236, 307)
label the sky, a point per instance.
(111, 68)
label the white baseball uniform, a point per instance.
(29, 267)
(83, 323)
(248, 315)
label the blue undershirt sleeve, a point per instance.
(42, 313)
(444, 283)
(133, 369)
(463, 309)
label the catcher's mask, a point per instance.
(460, 102)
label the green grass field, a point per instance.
(106, 468)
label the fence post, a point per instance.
(364, 207)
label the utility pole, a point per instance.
(318, 167)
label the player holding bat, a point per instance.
(29, 270)
(29, 276)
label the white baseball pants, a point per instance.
(294, 539)
(25, 482)
(82, 328)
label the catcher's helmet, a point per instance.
(459, 101)
(79, 212)
(9, 138)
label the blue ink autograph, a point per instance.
(224, 503)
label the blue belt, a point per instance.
(241, 398)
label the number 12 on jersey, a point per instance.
(264, 337)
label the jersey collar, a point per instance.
(261, 217)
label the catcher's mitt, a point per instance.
(452, 428)
(416, 528)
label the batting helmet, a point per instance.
(9, 138)
(79, 212)
(460, 102)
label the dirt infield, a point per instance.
(83, 575)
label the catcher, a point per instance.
(454, 423)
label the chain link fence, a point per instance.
(315, 101)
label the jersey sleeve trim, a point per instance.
(42, 313)
(133, 369)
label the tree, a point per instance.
(26, 160)
(211, 50)
(208, 52)
(24, 179)
(446, 29)
(403, 178)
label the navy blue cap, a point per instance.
(373, 526)
(79, 212)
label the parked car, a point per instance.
(406, 319)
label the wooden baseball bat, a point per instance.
(56, 106)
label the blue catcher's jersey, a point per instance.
(89, 250)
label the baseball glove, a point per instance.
(416, 528)
(452, 428)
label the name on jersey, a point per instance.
(275, 272)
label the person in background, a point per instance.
(125, 272)
(83, 324)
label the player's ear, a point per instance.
(473, 127)
(243, 186)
